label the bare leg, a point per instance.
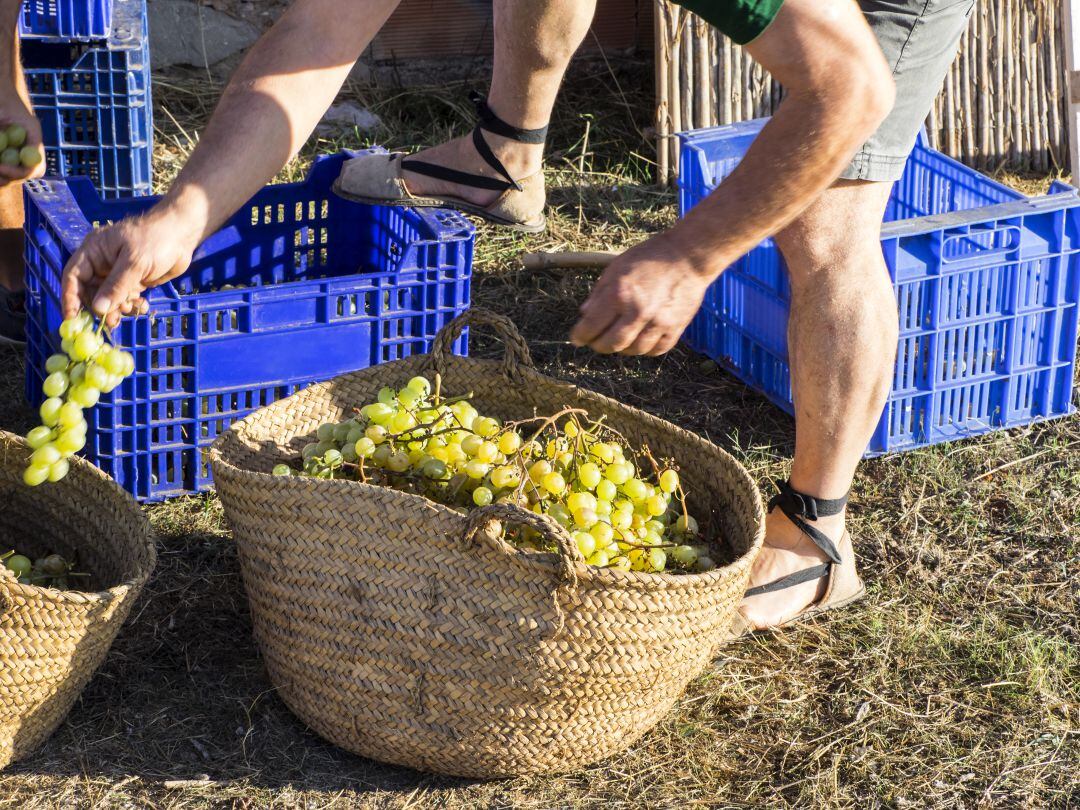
(11, 237)
(534, 42)
(842, 343)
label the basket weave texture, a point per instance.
(52, 641)
(405, 631)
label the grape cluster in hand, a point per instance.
(14, 151)
(581, 473)
(87, 368)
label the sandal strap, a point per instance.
(796, 506)
(492, 123)
(799, 577)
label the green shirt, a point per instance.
(742, 20)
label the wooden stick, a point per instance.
(1071, 12)
(999, 81)
(569, 259)
(663, 116)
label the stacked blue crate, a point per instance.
(93, 97)
(987, 283)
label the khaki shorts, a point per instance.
(919, 39)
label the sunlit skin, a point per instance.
(839, 89)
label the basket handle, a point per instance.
(516, 356)
(569, 554)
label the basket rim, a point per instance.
(105, 595)
(548, 560)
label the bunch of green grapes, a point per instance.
(87, 368)
(581, 473)
(52, 571)
(15, 151)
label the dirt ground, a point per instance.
(955, 684)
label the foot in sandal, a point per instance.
(807, 565)
(495, 173)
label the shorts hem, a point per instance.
(874, 168)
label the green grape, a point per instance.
(420, 385)
(308, 451)
(686, 525)
(606, 491)
(45, 456)
(402, 421)
(325, 432)
(33, 475)
(622, 562)
(651, 538)
(635, 490)
(435, 469)
(684, 555)
(364, 447)
(332, 457)
(505, 477)
(83, 395)
(10, 157)
(554, 483)
(537, 471)
(113, 362)
(622, 519)
(71, 415)
(561, 515)
(477, 469)
(657, 559)
(66, 345)
(704, 564)
(603, 534)
(71, 441)
(377, 412)
(618, 474)
(657, 505)
(282, 469)
(454, 454)
(603, 508)
(30, 156)
(58, 470)
(376, 434)
(55, 384)
(322, 448)
(408, 397)
(382, 454)
(509, 443)
(486, 427)
(341, 432)
(348, 452)
(669, 481)
(589, 475)
(570, 429)
(16, 135)
(482, 496)
(19, 565)
(398, 462)
(387, 396)
(97, 377)
(85, 345)
(599, 559)
(603, 452)
(487, 451)
(580, 500)
(38, 436)
(586, 543)
(584, 518)
(471, 444)
(56, 362)
(78, 374)
(50, 410)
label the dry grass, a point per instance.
(956, 684)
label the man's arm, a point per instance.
(14, 99)
(270, 107)
(839, 89)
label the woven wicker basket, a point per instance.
(52, 641)
(401, 630)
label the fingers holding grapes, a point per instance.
(21, 153)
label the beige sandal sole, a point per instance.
(445, 202)
(740, 630)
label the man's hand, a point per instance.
(643, 301)
(117, 263)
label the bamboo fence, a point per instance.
(1003, 102)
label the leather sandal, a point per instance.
(377, 179)
(844, 585)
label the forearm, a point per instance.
(10, 70)
(269, 109)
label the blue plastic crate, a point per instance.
(66, 19)
(93, 101)
(987, 284)
(331, 286)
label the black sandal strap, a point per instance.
(799, 577)
(492, 123)
(796, 506)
